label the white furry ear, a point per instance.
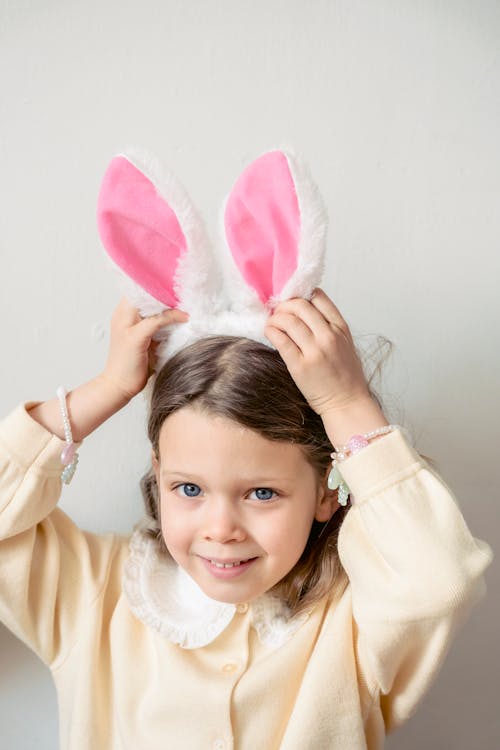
(274, 226)
(152, 232)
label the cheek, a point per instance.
(175, 526)
(286, 536)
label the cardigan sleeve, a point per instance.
(415, 571)
(50, 570)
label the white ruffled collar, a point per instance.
(164, 597)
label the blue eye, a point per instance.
(264, 493)
(191, 490)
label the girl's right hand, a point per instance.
(131, 354)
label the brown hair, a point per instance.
(248, 382)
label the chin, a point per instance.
(227, 597)
(228, 593)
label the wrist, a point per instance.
(87, 407)
(114, 388)
(358, 417)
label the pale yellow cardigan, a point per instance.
(338, 679)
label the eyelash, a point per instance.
(192, 497)
(186, 484)
(267, 499)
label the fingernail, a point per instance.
(180, 312)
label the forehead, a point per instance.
(208, 439)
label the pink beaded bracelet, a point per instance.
(353, 445)
(69, 456)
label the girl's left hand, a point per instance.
(316, 345)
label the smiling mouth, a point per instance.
(226, 570)
(230, 564)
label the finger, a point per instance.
(148, 326)
(125, 314)
(295, 328)
(288, 350)
(322, 302)
(307, 312)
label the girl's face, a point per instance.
(236, 508)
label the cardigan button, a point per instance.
(242, 607)
(219, 745)
(230, 667)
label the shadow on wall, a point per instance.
(23, 674)
(468, 683)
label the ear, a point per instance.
(153, 234)
(274, 224)
(327, 503)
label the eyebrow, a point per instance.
(246, 480)
(176, 472)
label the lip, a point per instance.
(227, 573)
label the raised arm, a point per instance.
(52, 572)
(128, 367)
(415, 570)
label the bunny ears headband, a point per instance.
(273, 225)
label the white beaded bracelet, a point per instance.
(355, 444)
(69, 456)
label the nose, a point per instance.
(221, 522)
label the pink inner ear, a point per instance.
(139, 230)
(262, 224)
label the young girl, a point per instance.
(254, 607)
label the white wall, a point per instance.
(396, 107)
